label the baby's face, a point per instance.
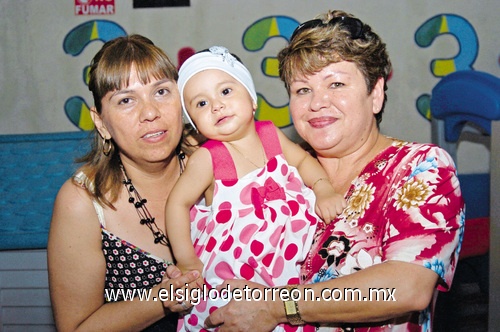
(219, 105)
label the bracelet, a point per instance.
(318, 180)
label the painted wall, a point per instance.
(45, 49)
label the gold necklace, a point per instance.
(251, 162)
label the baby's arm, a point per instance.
(328, 203)
(192, 184)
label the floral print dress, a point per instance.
(406, 205)
(258, 228)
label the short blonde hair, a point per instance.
(310, 50)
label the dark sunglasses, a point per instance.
(353, 25)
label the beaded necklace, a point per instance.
(140, 203)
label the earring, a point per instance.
(106, 146)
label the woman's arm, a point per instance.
(412, 287)
(77, 270)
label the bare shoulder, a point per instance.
(73, 199)
(201, 158)
(74, 214)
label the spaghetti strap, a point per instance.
(222, 162)
(100, 213)
(269, 138)
(82, 180)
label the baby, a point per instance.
(258, 215)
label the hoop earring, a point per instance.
(106, 146)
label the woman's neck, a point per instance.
(342, 170)
(154, 180)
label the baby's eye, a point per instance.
(201, 103)
(226, 91)
(124, 101)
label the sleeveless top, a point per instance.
(259, 227)
(129, 267)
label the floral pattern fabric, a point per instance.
(258, 228)
(406, 205)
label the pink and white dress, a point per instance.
(258, 228)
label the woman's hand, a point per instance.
(178, 280)
(246, 315)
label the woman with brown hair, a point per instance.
(107, 233)
(401, 231)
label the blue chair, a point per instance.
(460, 101)
(467, 101)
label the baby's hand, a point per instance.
(198, 283)
(329, 204)
(195, 265)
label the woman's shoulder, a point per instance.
(74, 213)
(413, 154)
(396, 142)
(416, 148)
(74, 193)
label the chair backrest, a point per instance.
(33, 168)
(462, 99)
(466, 96)
(459, 99)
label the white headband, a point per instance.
(217, 57)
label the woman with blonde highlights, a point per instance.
(401, 231)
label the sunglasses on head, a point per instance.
(353, 25)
